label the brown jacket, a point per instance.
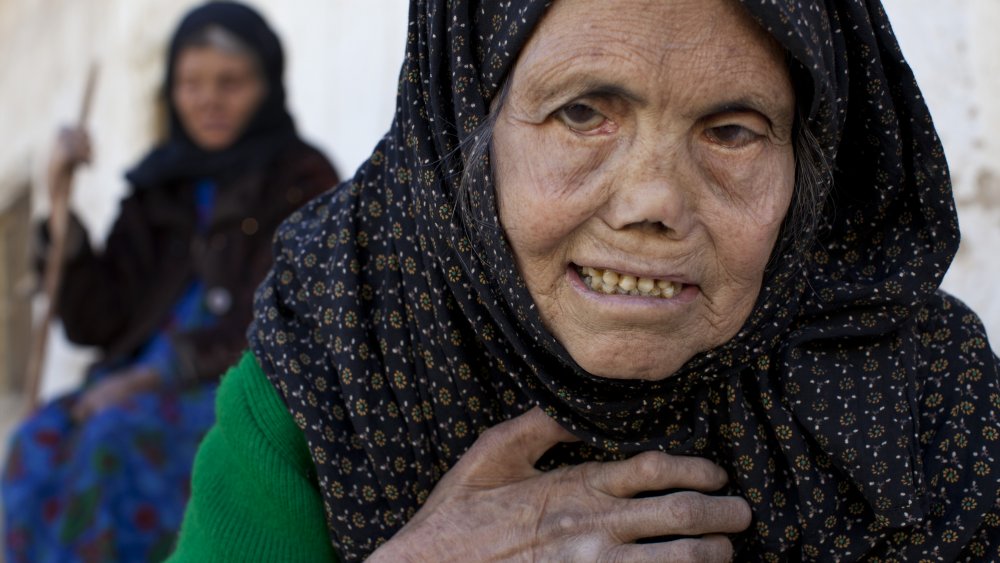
(118, 298)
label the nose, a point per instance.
(205, 96)
(651, 193)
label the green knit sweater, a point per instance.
(253, 493)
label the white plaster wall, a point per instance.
(954, 50)
(343, 58)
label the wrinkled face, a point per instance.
(216, 94)
(644, 164)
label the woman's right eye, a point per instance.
(581, 117)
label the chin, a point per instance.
(631, 363)
(213, 141)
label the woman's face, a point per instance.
(644, 164)
(215, 94)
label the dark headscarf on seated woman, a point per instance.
(856, 410)
(269, 130)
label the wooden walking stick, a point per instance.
(58, 223)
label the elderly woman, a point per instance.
(103, 473)
(704, 238)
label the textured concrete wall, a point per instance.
(344, 56)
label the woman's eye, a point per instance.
(731, 136)
(188, 86)
(581, 117)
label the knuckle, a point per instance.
(586, 548)
(687, 508)
(565, 524)
(693, 471)
(649, 466)
(589, 473)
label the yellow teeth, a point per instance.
(609, 282)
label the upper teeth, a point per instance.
(610, 281)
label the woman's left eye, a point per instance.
(581, 117)
(731, 136)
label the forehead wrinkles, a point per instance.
(624, 38)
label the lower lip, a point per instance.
(687, 294)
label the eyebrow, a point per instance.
(753, 101)
(587, 87)
(575, 87)
(738, 105)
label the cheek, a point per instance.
(240, 106)
(247, 103)
(544, 192)
(747, 218)
(744, 252)
(183, 102)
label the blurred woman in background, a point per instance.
(102, 474)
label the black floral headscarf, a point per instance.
(269, 130)
(856, 410)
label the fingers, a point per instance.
(80, 148)
(92, 401)
(517, 443)
(113, 390)
(654, 471)
(82, 409)
(89, 404)
(707, 549)
(494, 504)
(685, 513)
(73, 146)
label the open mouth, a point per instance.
(611, 282)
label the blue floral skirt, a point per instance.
(110, 489)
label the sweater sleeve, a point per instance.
(253, 496)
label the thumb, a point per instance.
(516, 444)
